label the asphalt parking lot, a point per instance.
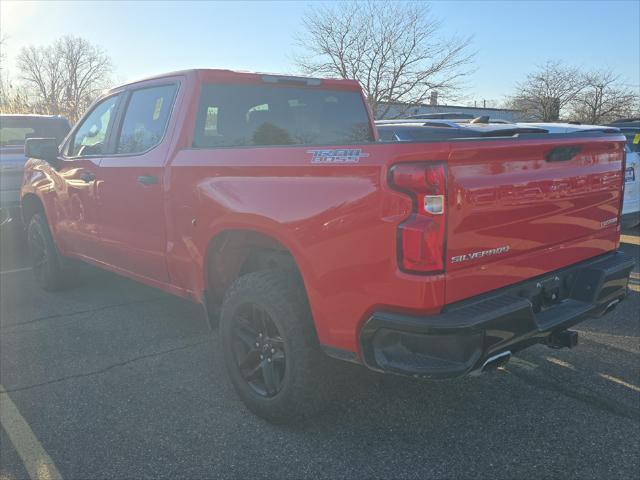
(112, 379)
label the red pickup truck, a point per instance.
(270, 200)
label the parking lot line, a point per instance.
(632, 239)
(37, 462)
(620, 382)
(15, 270)
(522, 363)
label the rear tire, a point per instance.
(45, 259)
(271, 352)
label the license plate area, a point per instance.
(547, 292)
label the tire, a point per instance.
(45, 259)
(300, 370)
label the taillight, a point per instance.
(622, 184)
(421, 237)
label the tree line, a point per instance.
(556, 91)
(58, 79)
(394, 49)
(396, 52)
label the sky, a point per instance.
(151, 37)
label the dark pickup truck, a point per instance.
(14, 130)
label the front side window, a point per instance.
(146, 119)
(260, 115)
(91, 136)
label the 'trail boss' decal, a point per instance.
(341, 155)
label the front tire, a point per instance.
(271, 351)
(45, 259)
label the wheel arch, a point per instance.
(236, 250)
(30, 205)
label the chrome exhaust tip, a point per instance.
(612, 305)
(492, 363)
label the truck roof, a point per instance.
(226, 75)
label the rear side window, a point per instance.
(146, 119)
(256, 115)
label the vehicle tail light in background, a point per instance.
(622, 185)
(421, 238)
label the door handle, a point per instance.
(87, 177)
(147, 179)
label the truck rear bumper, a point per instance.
(469, 333)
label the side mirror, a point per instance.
(43, 149)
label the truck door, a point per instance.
(76, 207)
(132, 227)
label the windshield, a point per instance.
(15, 130)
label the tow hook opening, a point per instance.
(563, 339)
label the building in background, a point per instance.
(433, 107)
(493, 113)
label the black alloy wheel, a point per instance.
(259, 350)
(40, 260)
(271, 351)
(45, 259)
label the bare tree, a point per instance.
(41, 70)
(4, 81)
(547, 92)
(13, 98)
(65, 77)
(3, 44)
(87, 71)
(392, 49)
(603, 99)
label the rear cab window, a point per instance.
(15, 130)
(262, 115)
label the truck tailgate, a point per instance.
(514, 204)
